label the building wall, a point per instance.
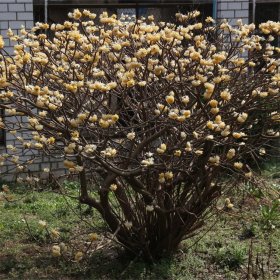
(14, 14)
(233, 10)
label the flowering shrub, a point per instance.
(146, 114)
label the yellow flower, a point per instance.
(93, 118)
(170, 99)
(196, 56)
(185, 99)
(170, 77)
(93, 236)
(90, 148)
(39, 127)
(130, 135)
(238, 165)
(38, 146)
(213, 103)
(231, 153)
(181, 118)
(69, 163)
(55, 233)
(141, 53)
(209, 87)
(63, 247)
(104, 124)
(215, 111)
(142, 83)
(2, 43)
(168, 175)
(109, 152)
(229, 206)
(214, 160)
(186, 113)
(113, 187)
(188, 147)
(161, 178)
(79, 256)
(238, 135)
(218, 58)
(56, 251)
(209, 90)
(128, 225)
(262, 151)
(199, 152)
(209, 20)
(51, 140)
(150, 208)
(177, 153)
(227, 201)
(242, 117)
(248, 174)
(77, 14)
(116, 47)
(52, 107)
(42, 224)
(115, 117)
(161, 149)
(82, 116)
(225, 95)
(75, 135)
(217, 80)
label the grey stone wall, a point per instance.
(14, 14)
(233, 10)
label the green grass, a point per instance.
(222, 253)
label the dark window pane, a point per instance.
(2, 131)
(162, 10)
(114, 2)
(264, 12)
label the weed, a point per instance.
(248, 231)
(24, 257)
(232, 257)
(270, 214)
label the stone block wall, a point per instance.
(233, 10)
(14, 14)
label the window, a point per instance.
(265, 10)
(163, 10)
(2, 131)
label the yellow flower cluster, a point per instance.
(109, 152)
(117, 83)
(108, 120)
(165, 176)
(270, 27)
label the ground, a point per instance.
(242, 243)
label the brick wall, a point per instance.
(13, 14)
(233, 10)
